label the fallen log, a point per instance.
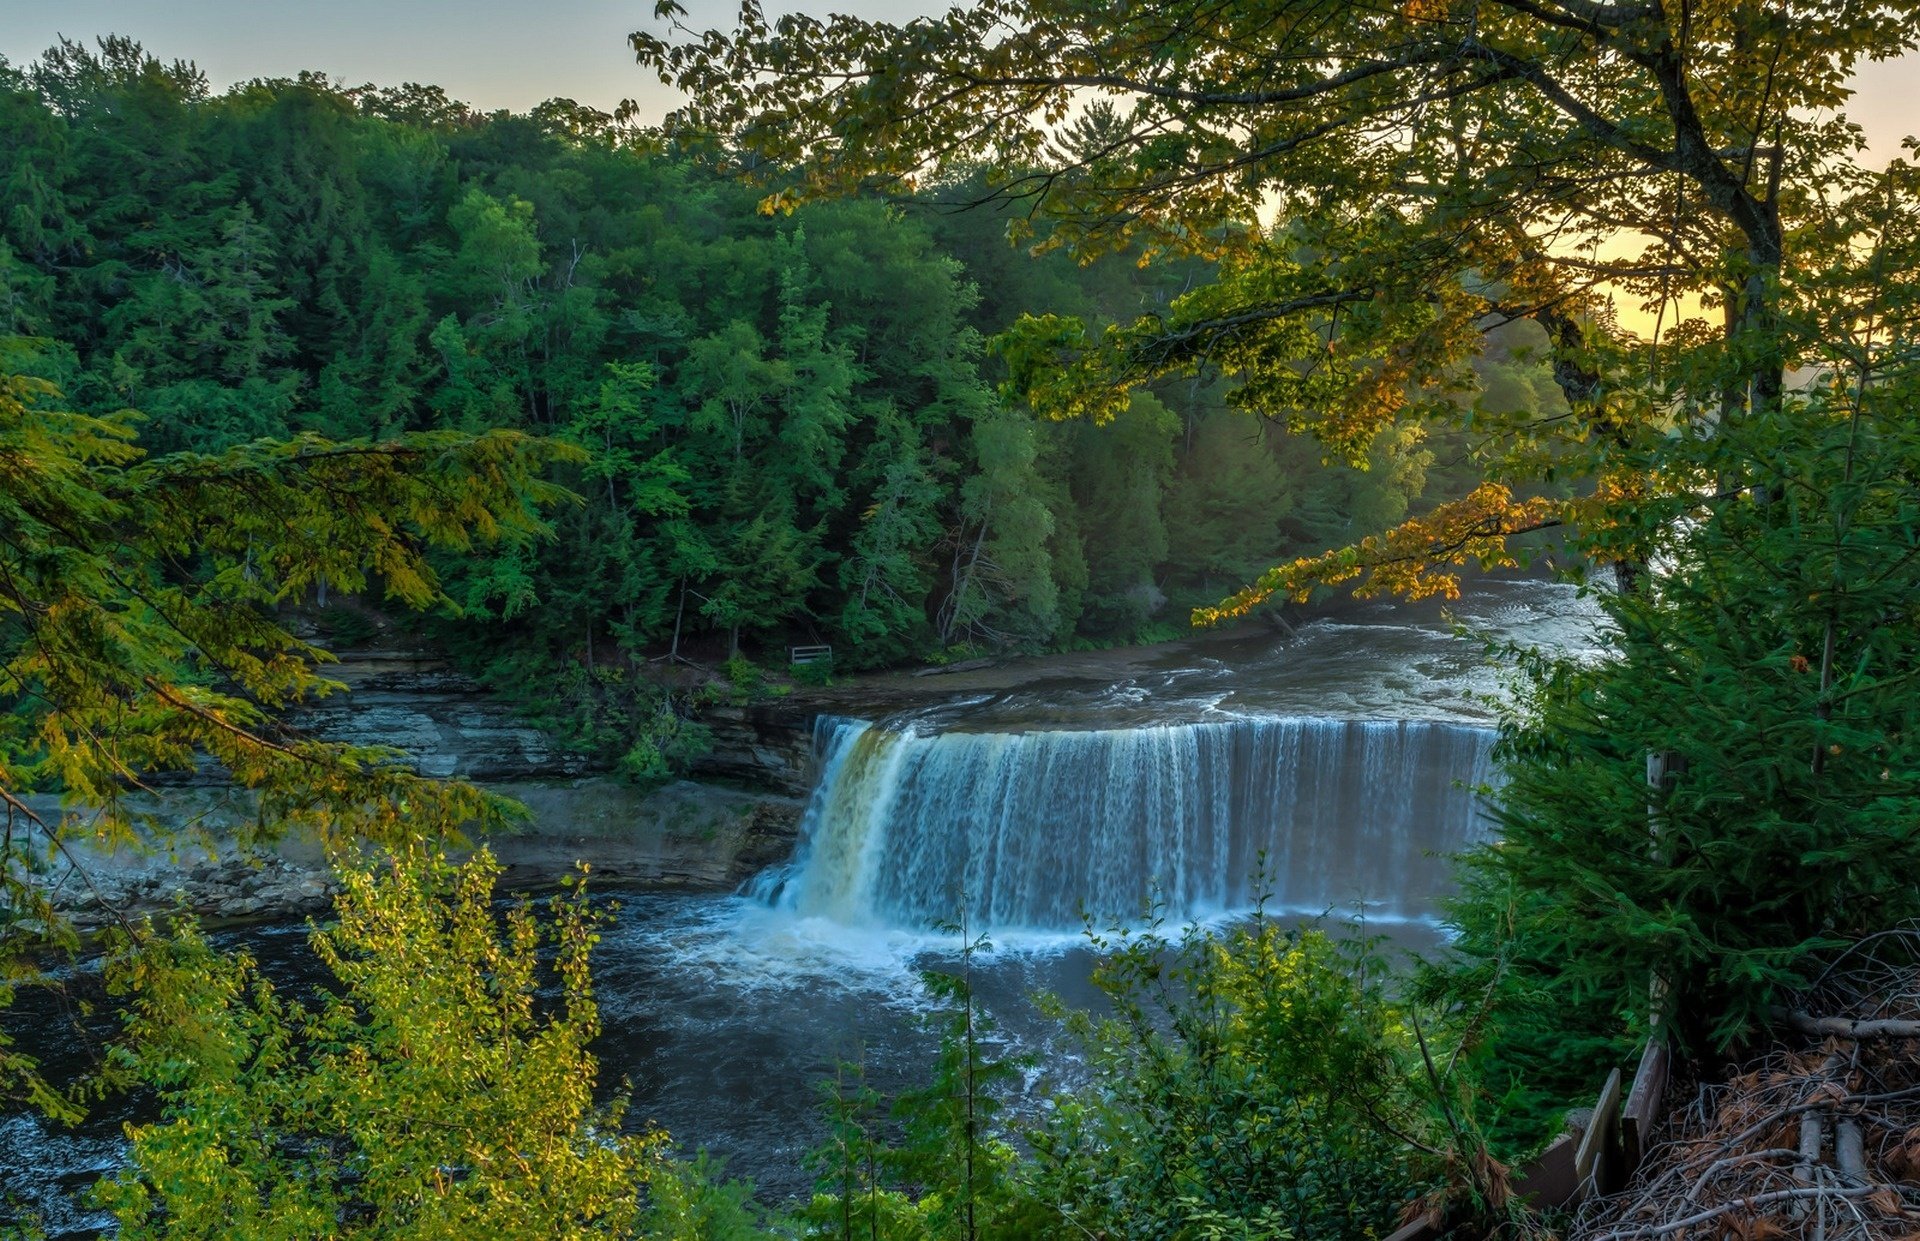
(1850, 1151)
(1844, 1027)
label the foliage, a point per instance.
(790, 431)
(1433, 169)
(611, 713)
(1770, 663)
(1248, 1082)
(1766, 666)
(437, 1092)
(139, 636)
(664, 746)
(932, 1165)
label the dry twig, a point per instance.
(1817, 1139)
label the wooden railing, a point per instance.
(810, 655)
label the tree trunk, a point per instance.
(679, 614)
(1663, 768)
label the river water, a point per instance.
(1328, 773)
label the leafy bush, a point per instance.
(746, 677)
(1254, 1081)
(817, 673)
(611, 713)
(665, 745)
(441, 1090)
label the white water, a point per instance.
(1044, 829)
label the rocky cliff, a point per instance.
(695, 836)
(448, 726)
(761, 745)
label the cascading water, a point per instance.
(1042, 828)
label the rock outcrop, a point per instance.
(449, 727)
(686, 835)
(761, 745)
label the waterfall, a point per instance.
(1034, 827)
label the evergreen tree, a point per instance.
(1120, 473)
(1229, 503)
(1001, 588)
(885, 576)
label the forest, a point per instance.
(1260, 308)
(794, 421)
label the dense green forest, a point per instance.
(794, 428)
(559, 384)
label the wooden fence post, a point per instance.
(1644, 1101)
(1595, 1163)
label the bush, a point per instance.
(1252, 1082)
(745, 676)
(442, 1088)
(666, 744)
(817, 673)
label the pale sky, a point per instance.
(513, 54)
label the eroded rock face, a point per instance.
(761, 745)
(449, 727)
(687, 835)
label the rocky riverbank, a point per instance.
(685, 836)
(740, 815)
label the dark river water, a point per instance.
(1343, 763)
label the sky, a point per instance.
(514, 54)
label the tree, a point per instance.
(950, 1176)
(1228, 502)
(1248, 1082)
(769, 567)
(643, 486)
(1435, 166)
(39, 223)
(1771, 664)
(1000, 584)
(811, 437)
(200, 345)
(373, 385)
(1119, 474)
(139, 636)
(885, 575)
(494, 276)
(295, 256)
(441, 1089)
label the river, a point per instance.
(1329, 772)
